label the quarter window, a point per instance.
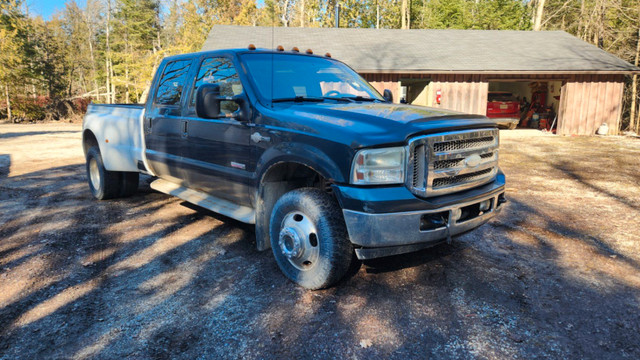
(172, 82)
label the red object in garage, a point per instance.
(438, 96)
(503, 105)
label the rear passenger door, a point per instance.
(165, 129)
(220, 154)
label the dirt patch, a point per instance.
(557, 274)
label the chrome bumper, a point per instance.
(405, 228)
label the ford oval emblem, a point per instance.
(473, 161)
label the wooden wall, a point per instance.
(464, 93)
(586, 101)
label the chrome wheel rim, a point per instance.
(298, 240)
(94, 173)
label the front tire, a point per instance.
(309, 238)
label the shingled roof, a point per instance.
(432, 51)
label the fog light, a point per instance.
(485, 205)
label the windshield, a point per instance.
(299, 78)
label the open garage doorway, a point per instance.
(524, 104)
(415, 91)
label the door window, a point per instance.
(172, 82)
(219, 70)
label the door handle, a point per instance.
(185, 128)
(149, 122)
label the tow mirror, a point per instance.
(388, 95)
(208, 101)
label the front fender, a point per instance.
(310, 156)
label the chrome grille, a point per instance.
(463, 144)
(454, 161)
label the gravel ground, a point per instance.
(556, 275)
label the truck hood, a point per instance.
(369, 124)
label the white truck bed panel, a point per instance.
(118, 129)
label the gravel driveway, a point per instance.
(556, 275)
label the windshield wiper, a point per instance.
(299, 99)
(336, 98)
(360, 98)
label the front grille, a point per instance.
(463, 144)
(450, 162)
(452, 180)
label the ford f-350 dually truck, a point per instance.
(300, 145)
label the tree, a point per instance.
(11, 45)
(135, 37)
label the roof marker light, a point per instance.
(327, 54)
(309, 51)
(295, 49)
(251, 47)
(280, 48)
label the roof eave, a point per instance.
(502, 72)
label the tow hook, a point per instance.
(446, 223)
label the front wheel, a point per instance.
(309, 238)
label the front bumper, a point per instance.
(384, 234)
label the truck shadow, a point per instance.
(153, 277)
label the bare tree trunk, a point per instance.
(537, 22)
(633, 124)
(403, 10)
(110, 94)
(302, 14)
(6, 95)
(377, 16)
(581, 21)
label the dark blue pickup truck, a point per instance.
(300, 145)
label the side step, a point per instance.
(224, 207)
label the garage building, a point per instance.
(457, 69)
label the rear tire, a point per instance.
(129, 183)
(105, 184)
(309, 238)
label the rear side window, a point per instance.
(172, 82)
(219, 70)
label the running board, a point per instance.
(224, 207)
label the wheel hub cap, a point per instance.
(94, 173)
(290, 243)
(298, 240)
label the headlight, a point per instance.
(378, 166)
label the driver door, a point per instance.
(219, 154)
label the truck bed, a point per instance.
(118, 130)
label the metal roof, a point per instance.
(432, 51)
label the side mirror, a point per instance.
(208, 101)
(388, 95)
